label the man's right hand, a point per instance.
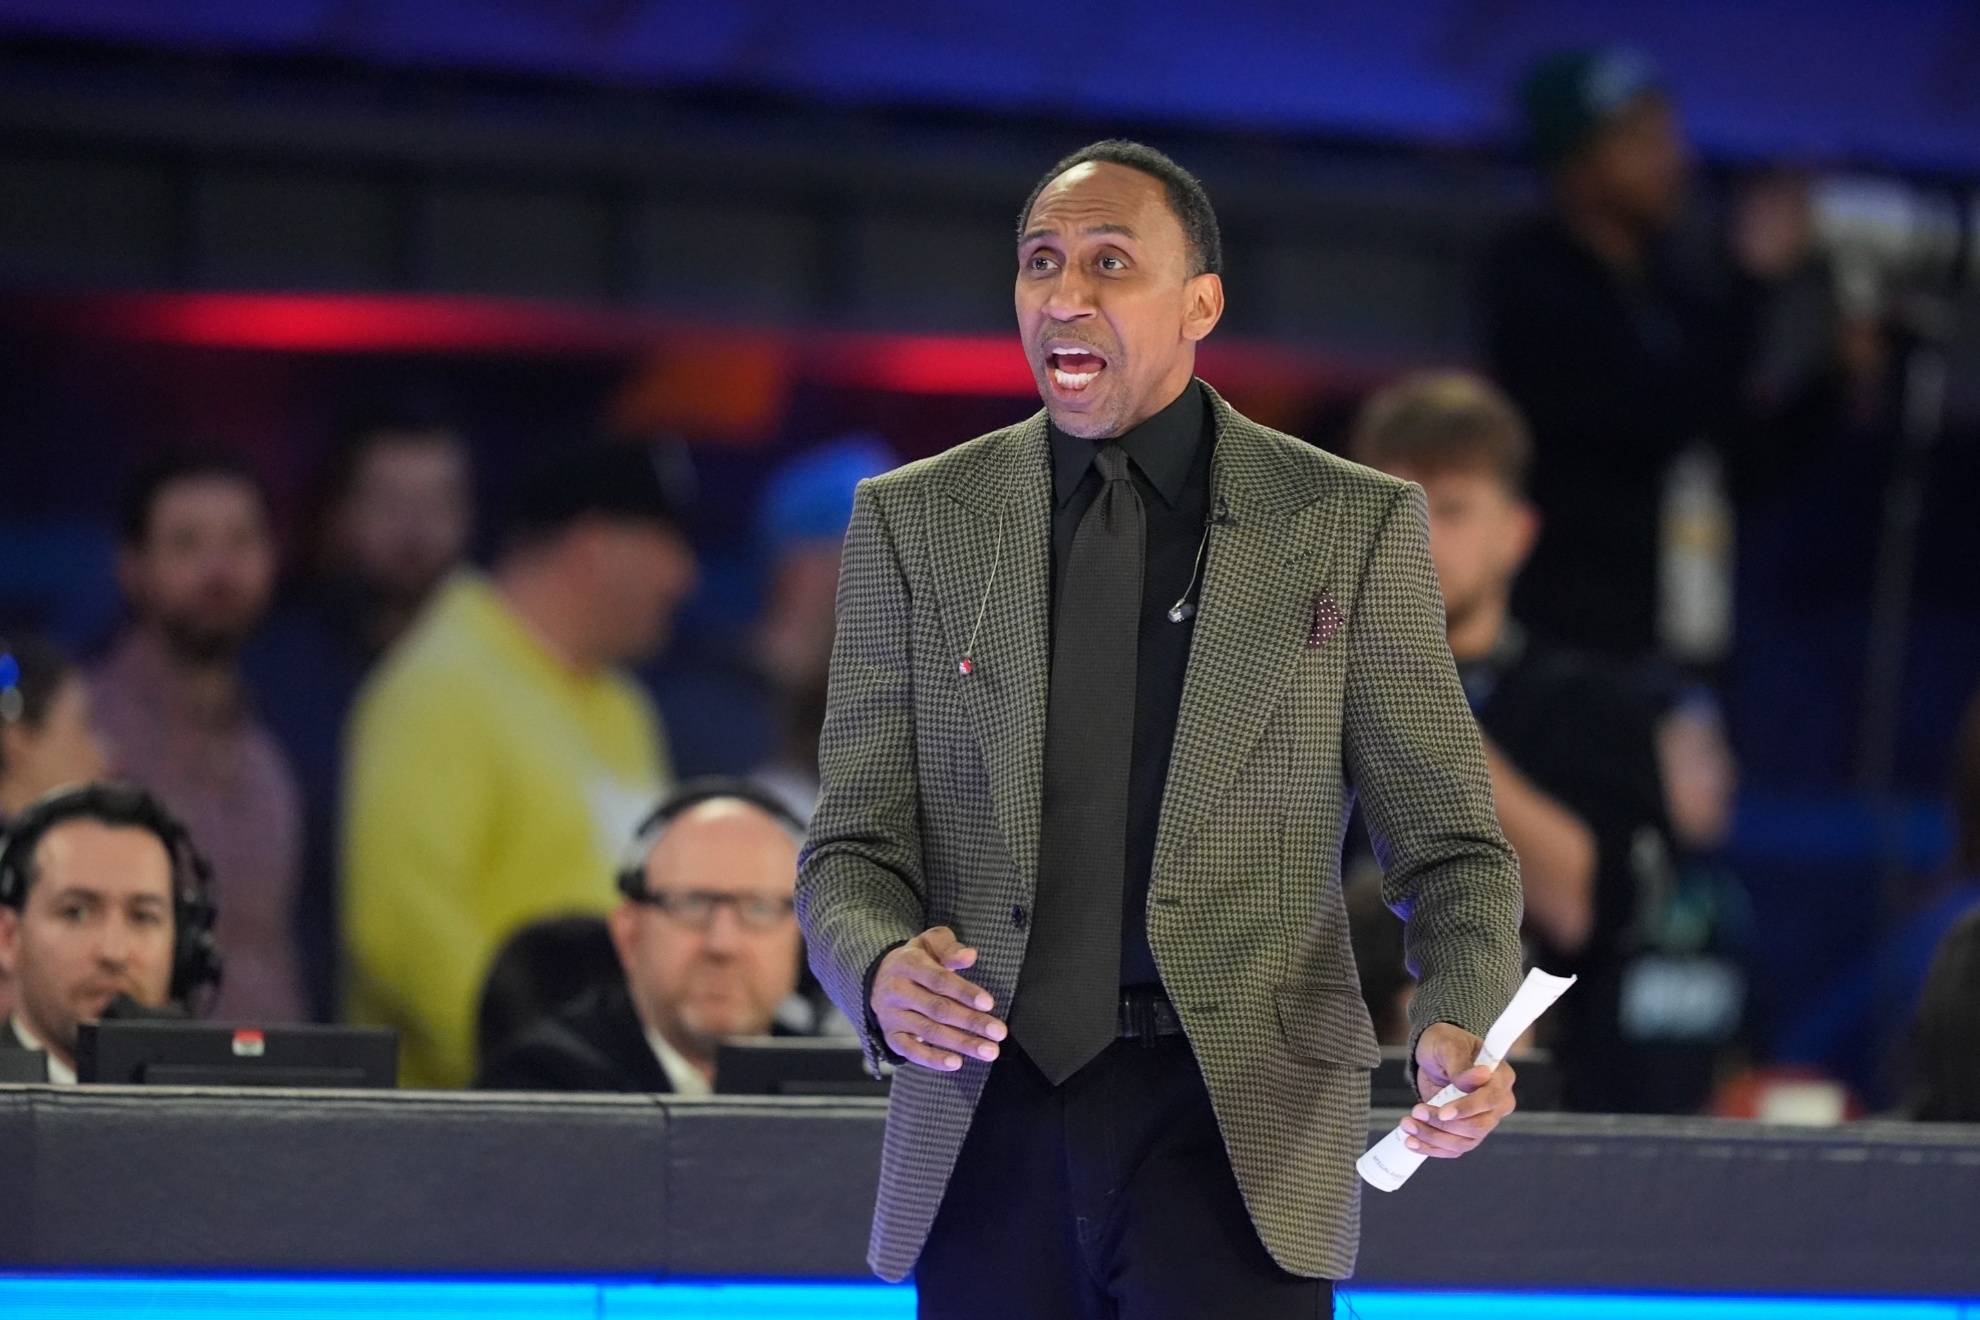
(928, 1014)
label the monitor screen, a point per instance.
(18, 1066)
(140, 1052)
(793, 1065)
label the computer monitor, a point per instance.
(793, 1065)
(146, 1052)
(17, 1066)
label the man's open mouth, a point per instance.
(1073, 367)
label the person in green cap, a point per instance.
(1635, 359)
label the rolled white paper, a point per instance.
(1389, 1162)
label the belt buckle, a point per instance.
(1141, 1018)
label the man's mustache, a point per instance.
(1104, 350)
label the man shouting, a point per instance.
(1104, 687)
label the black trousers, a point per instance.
(1107, 1198)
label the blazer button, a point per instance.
(1019, 917)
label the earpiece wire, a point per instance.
(983, 606)
(1195, 569)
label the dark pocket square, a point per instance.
(1327, 619)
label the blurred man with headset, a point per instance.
(705, 934)
(101, 896)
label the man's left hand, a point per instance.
(1443, 1057)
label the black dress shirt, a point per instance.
(1170, 457)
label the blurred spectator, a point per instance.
(499, 757)
(540, 969)
(395, 520)
(1874, 1007)
(196, 564)
(1700, 776)
(94, 884)
(1945, 1034)
(47, 737)
(1637, 362)
(806, 508)
(1573, 770)
(708, 938)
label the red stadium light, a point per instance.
(925, 364)
(363, 323)
(967, 364)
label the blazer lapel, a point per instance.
(1251, 629)
(990, 551)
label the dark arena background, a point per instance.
(739, 230)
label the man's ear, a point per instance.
(1527, 523)
(10, 940)
(622, 923)
(1203, 305)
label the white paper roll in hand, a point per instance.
(1389, 1162)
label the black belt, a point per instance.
(1146, 1014)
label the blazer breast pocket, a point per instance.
(1325, 619)
(1327, 1026)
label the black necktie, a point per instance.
(1068, 997)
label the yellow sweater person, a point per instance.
(499, 762)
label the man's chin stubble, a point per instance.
(1087, 426)
(205, 646)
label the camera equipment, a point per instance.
(1883, 236)
(1904, 253)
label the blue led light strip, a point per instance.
(41, 1297)
(1382, 1305)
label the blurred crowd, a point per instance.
(434, 796)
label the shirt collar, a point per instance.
(683, 1075)
(1163, 447)
(61, 1074)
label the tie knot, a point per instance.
(1112, 460)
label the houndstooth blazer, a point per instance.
(1318, 675)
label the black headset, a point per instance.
(196, 961)
(690, 793)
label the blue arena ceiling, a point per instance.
(1859, 82)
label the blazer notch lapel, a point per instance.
(989, 552)
(1251, 631)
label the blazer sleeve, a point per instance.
(861, 890)
(1415, 763)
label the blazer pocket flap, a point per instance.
(1327, 1025)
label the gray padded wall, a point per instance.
(462, 1183)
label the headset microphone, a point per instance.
(630, 876)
